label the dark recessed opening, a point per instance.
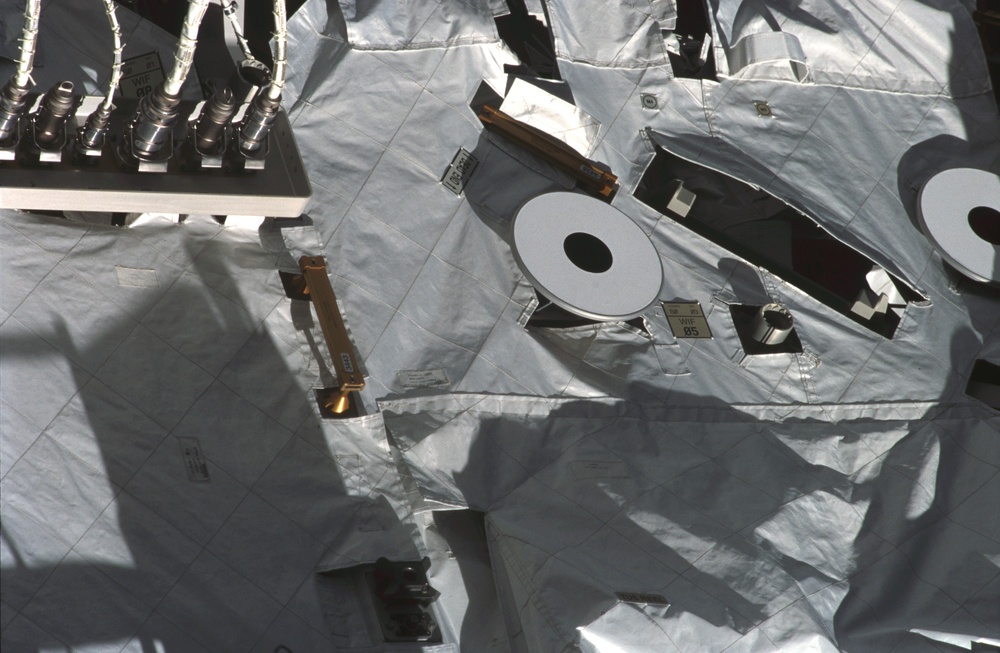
(588, 252)
(984, 648)
(258, 20)
(550, 316)
(985, 223)
(692, 54)
(530, 39)
(984, 383)
(765, 231)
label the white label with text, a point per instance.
(194, 461)
(136, 277)
(642, 597)
(599, 469)
(435, 378)
(459, 172)
(687, 320)
(140, 75)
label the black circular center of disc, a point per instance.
(587, 252)
(985, 222)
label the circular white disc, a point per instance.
(943, 208)
(624, 290)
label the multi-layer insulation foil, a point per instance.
(168, 483)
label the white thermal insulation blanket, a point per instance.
(169, 485)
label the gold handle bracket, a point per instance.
(551, 149)
(314, 285)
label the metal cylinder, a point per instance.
(214, 118)
(92, 136)
(771, 325)
(257, 123)
(153, 123)
(57, 105)
(13, 99)
(250, 76)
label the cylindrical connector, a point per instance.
(771, 325)
(261, 114)
(214, 118)
(13, 99)
(153, 123)
(250, 76)
(92, 135)
(57, 105)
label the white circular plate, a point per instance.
(624, 290)
(943, 207)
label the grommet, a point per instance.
(763, 109)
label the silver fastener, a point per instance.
(763, 108)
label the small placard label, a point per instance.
(345, 360)
(194, 461)
(459, 171)
(435, 378)
(136, 277)
(140, 75)
(687, 320)
(599, 469)
(641, 597)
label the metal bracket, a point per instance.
(314, 284)
(98, 182)
(51, 154)
(596, 180)
(194, 158)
